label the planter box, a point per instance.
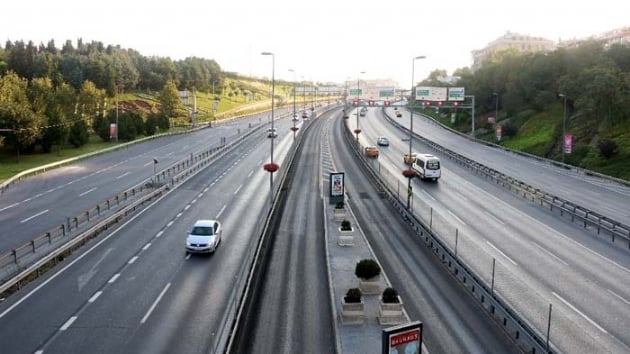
(352, 313)
(346, 232)
(370, 286)
(391, 314)
(345, 240)
(340, 214)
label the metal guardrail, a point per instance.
(519, 330)
(584, 215)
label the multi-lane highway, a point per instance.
(541, 259)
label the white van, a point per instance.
(427, 166)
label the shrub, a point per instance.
(367, 269)
(608, 148)
(345, 225)
(339, 205)
(353, 295)
(390, 296)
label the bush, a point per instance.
(367, 269)
(345, 225)
(339, 205)
(390, 296)
(353, 295)
(608, 148)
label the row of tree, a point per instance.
(51, 97)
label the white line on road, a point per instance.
(146, 316)
(250, 173)
(123, 175)
(34, 216)
(95, 296)
(187, 207)
(579, 312)
(456, 218)
(220, 212)
(146, 246)
(133, 259)
(9, 206)
(619, 297)
(495, 218)
(551, 254)
(68, 323)
(87, 191)
(238, 189)
(503, 254)
(148, 163)
(428, 195)
(113, 279)
(159, 234)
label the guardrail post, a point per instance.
(98, 210)
(33, 245)
(117, 200)
(69, 221)
(76, 222)
(87, 215)
(14, 253)
(49, 237)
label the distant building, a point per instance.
(519, 42)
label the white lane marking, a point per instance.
(195, 200)
(619, 296)
(148, 163)
(159, 234)
(169, 223)
(579, 312)
(123, 175)
(250, 173)
(34, 216)
(238, 189)
(221, 212)
(187, 207)
(146, 316)
(503, 254)
(68, 323)
(95, 296)
(146, 246)
(132, 260)
(456, 218)
(113, 279)
(87, 191)
(188, 256)
(550, 253)
(495, 218)
(178, 215)
(428, 195)
(9, 206)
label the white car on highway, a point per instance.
(204, 237)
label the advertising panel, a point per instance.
(403, 339)
(386, 92)
(336, 184)
(568, 143)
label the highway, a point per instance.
(541, 259)
(134, 289)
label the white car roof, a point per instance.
(205, 222)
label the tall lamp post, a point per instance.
(564, 123)
(294, 118)
(412, 102)
(271, 167)
(496, 106)
(358, 130)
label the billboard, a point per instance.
(568, 143)
(456, 93)
(386, 92)
(403, 339)
(336, 184)
(429, 93)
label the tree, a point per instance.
(608, 148)
(16, 114)
(169, 99)
(79, 134)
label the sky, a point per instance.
(322, 41)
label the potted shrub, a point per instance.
(368, 271)
(352, 307)
(390, 308)
(339, 211)
(346, 237)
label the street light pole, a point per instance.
(293, 119)
(564, 123)
(273, 89)
(358, 104)
(412, 99)
(496, 106)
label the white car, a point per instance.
(204, 237)
(382, 141)
(272, 133)
(296, 118)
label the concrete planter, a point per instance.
(370, 286)
(345, 240)
(352, 313)
(339, 214)
(391, 314)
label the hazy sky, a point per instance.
(322, 40)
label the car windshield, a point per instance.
(202, 231)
